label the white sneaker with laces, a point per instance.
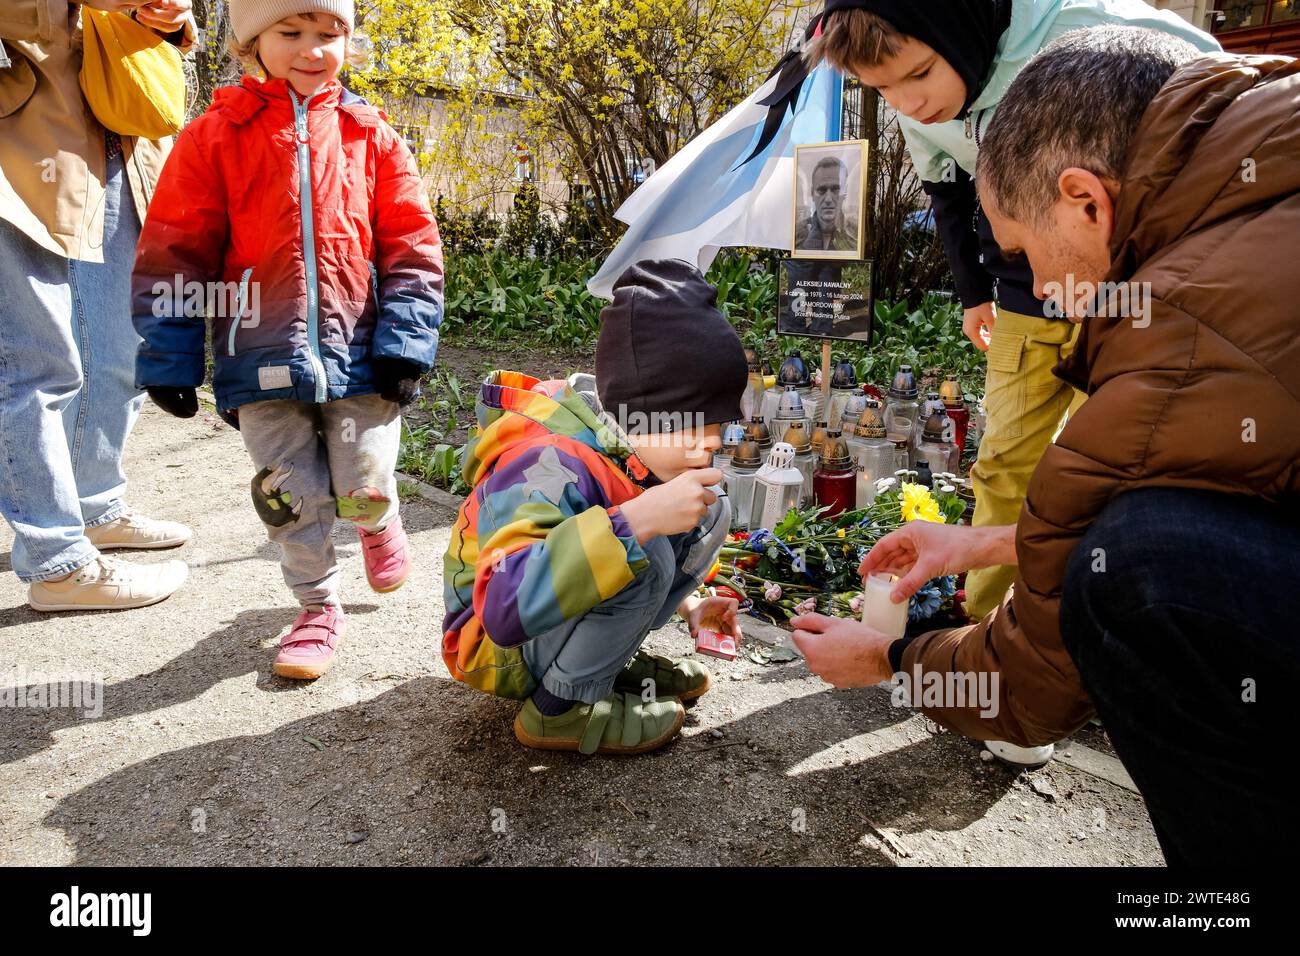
(107, 584)
(133, 530)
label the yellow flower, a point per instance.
(918, 503)
(840, 533)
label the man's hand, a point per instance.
(674, 507)
(921, 550)
(163, 16)
(843, 652)
(724, 612)
(977, 323)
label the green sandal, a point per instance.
(679, 677)
(619, 724)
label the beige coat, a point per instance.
(51, 145)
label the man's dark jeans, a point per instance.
(1180, 610)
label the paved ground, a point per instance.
(202, 756)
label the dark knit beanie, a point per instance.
(665, 350)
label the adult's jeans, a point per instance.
(1178, 612)
(67, 393)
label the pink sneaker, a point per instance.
(307, 651)
(388, 559)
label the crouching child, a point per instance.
(593, 519)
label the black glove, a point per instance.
(181, 402)
(396, 379)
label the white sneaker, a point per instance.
(106, 584)
(1020, 756)
(133, 530)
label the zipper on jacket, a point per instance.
(239, 310)
(308, 242)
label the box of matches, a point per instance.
(715, 644)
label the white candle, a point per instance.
(878, 611)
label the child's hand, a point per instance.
(397, 380)
(722, 614)
(181, 402)
(674, 507)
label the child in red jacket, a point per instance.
(295, 217)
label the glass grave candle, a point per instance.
(938, 445)
(777, 488)
(853, 409)
(796, 436)
(835, 481)
(751, 402)
(903, 450)
(844, 385)
(902, 410)
(793, 374)
(955, 407)
(739, 479)
(818, 438)
(874, 455)
(757, 432)
(789, 412)
(732, 435)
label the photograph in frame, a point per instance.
(830, 186)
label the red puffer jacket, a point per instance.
(308, 229)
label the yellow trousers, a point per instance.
(1025, 407)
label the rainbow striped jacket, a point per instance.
(541, 538)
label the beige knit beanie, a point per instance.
(248, 18)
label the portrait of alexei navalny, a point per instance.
(828, 194)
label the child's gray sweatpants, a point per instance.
(316, 462)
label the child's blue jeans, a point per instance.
(580, 659)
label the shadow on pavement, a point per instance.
(429, 772)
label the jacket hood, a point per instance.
(1210, 146)
(509, 402)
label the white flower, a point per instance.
(772, 593)
(947, 488)
(884, 484)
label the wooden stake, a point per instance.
(826, 374)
